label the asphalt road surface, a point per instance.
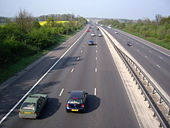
(84, 67)
(155, 60)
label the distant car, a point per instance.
(90, 42)
(99, 35)
(93, 34)
(129, 44)
(76, 101)
(32, 106)
(116, 32)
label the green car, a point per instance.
(32, 106)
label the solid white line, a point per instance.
(61, 92)
(95, 69)
(158, 66)
(95, 91)
(72, 70)
(12, 109)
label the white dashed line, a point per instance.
(96, 58)
(95, 91)
(146, 56)
(72, 70)
(96, 51)
(95, 69)
(96, 46)
(161, 58)
(81, 51)
(78, 58)
(158, 66)
(61, 92)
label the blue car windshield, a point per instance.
(75, 101)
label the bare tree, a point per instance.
(24, 20)
(158, 18)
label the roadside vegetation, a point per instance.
(23, 40)
(157, 31)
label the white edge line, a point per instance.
(12, 109)
(61, 92)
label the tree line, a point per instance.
(157, 31)
(24, 36)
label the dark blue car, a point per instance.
(76, 101)
(90, 42)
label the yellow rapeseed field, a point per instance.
(44, 22)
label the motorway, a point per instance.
(88, 68)
(155, 60)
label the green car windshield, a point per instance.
(28, 106)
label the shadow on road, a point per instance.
(93, 103)
(50, 108)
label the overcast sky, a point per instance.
(129, 9)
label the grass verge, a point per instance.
(11, 70)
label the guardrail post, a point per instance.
(145, 98)
(160, 101)
(153, 91)
(154, 114)
(160, 124)
(149, 106)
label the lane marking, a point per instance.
(96, 46)
(95, 69)
(96, 51)
(146, 56)
(96, 58)
(78, 58)
(161, 58)
(62, 90)
(12, 109)
(158, 66)
(95, 91)
(72, 70)
(81, 51)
